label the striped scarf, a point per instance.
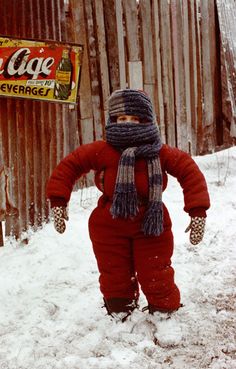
(137, 140)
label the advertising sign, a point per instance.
(40, 70)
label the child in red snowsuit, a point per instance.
(130, 228)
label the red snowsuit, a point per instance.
(125, 257)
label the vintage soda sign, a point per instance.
(40, 70)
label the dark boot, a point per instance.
(152, 309)
(118, 305)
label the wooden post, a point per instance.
(135, 65)
(85, 98)
(192, 30)
(167, 72)
(112, 43)
(86, 121)
(13, 226)
(69, 112)
(102, 56)
(135, 74)
(181, 76)
(226, 16)
(208, 70)
(121, 49)
(148, 54)
(96, 93)
(158, 69)
(198, 78)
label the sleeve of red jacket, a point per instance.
(71, 168)
(180, 165)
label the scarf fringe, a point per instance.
(124, 204)
(153, 220)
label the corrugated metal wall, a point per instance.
(34, 135)
(171, 49)
(227, 23)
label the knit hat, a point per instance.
(136, 140)
(130, 102)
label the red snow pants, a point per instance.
(126, 258)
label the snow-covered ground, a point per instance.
(51, 314)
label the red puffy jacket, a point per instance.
(100, 156)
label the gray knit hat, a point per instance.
(131, 102)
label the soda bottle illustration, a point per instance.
(62, 86)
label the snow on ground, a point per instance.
(51, 314)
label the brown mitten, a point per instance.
(59, 217)
(196, 228)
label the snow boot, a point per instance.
(120, 308)
(152, 309)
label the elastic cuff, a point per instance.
(197, 212)
(57, 201)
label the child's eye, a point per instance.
(121, 119)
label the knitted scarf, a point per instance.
(137, 140)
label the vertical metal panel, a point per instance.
(4, 160)
(19, 192)
(52, 115)
(12, 224)
(193, 123)
(147, 37)
(70, 114)
(158, 69)
(29, 158)
(180, 60)
(120, 42)
(43, 32)
(102, 54)
(21, 166)
(95, 73)
(227, 26)
(208, 70)
(112, 43)
(12, 177)
(167, 72)
(132, 30)
(85, 116)
(4, 155)
(36, 128)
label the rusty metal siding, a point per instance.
(34, 134)
(227, 25)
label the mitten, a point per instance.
(196, 228)
(59, 217)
